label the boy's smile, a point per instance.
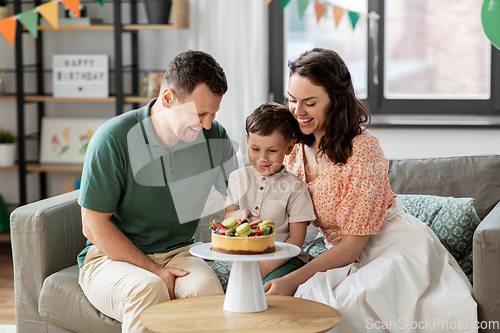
(266, 153)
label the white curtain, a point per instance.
(235, 32)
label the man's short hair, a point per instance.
(190, 68)
(270, 117)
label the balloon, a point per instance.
(490, 18)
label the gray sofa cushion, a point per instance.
(468, 176)
(63, 303)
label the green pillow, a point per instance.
(453, 220)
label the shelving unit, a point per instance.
(180, 14)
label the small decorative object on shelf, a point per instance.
(154, 83)
(7, 148)
(4, 10)
(158, 11)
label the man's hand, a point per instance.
(168, 275)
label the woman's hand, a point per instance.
(280, 286)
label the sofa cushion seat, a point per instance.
(63, 303)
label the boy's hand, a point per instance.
(246, 214)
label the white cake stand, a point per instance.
(245, 292)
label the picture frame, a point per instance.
(65, 140)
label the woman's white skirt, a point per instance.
(404, 281)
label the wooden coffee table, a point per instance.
(205, 314)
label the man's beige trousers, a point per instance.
(122, 291)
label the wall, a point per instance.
(421, 143)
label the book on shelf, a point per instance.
(71, 21)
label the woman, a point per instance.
(384, 270)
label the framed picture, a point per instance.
(65, 140)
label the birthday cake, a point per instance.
(242, 237)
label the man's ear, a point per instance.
(167, 97)
(290, 147)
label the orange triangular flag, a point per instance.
(73, 5)
(50, 11)
(320, 10)
(267, 2)
(337, 15)
(8, 28)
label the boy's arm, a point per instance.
(297, 236)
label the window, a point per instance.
(417, 59)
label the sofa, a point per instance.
(47, 236)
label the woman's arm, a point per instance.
(297, 236)
(342, 254)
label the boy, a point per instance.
(266, 189)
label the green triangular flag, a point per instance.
(283, 4)
(30, 21)
(100, 2)
(302, 4)
(354, 18)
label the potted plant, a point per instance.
(158, 11)
(4, 10)
(7, 148)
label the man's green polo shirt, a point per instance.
(157, 194)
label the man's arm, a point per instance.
(99, 229)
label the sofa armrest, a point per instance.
(46, 237)
(486, 267)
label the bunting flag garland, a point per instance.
(354, 18)
(321, 7)
(337, 15)
(30, 21)
(50, 11)
(283, 4)
(8, 28)
(302, 4)
(73, 5)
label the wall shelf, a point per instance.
(180, 19)
(112, 99)
(35, 167)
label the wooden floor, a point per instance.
(7, 307)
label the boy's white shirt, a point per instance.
(282, 197)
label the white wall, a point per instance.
(421, 143)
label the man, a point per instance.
(146, 179)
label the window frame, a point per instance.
(386, 112)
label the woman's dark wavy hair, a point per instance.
(346, 115)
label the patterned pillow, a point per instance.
(453, 220)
